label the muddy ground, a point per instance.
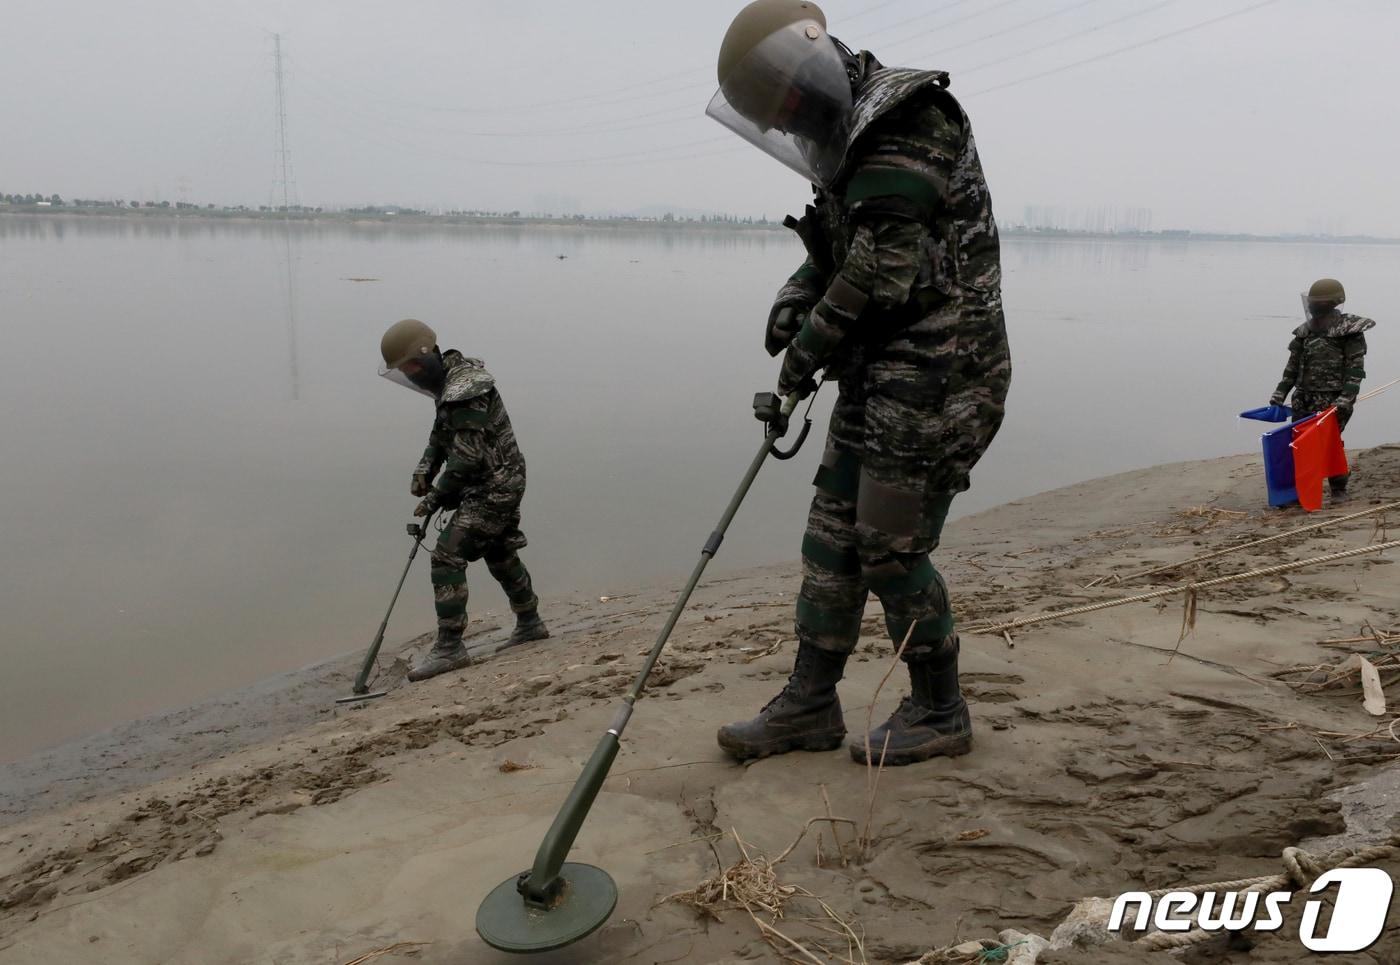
(1103, 763)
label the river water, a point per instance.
(204, 483)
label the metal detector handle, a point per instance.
(418, 531)
(789, 406)
(541, 886)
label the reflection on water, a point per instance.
(173, 525)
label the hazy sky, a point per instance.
(1281, 118)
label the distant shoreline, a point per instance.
(419, 220)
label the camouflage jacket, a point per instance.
(471, 441)
(1326, 363)
(907, 223)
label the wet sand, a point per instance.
(276, 826)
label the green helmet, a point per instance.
(411, 358)
(1327, 290)
(405, 340)
(755, 24)
(783, 86)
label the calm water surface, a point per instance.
(201, 489)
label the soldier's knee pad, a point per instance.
(901, 517)
(896, 575)
(457, 547)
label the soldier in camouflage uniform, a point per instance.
(473, 466)
(1326, 361)
(899, 299)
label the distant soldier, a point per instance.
(473, 466)
(900, 301)
(1326, 361)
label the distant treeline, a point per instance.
(380, 213)
(54, 201)
(391, 214)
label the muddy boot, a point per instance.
(528, 626)
(933, 720)
(445, 655)
(1338, 485)
(805, 716)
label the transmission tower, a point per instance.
(284, 162)
(284, 159)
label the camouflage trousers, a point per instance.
(1305, 404)
(486, 526)
(913, 417)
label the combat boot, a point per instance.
(805, 716)
(1338, 485)
(446, 654)
(528, 626)
(933, 720)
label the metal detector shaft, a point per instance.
(362, 681)
(540, 887)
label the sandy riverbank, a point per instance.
(325, 833)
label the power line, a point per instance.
(922, 16)
(661, 153)
(639, 90)
(690, 72)
(674, 115)
(1125, 49)
(626, 156)
(669, 115)
(1061, 11)
(1067, 37)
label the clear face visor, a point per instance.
(422, 374)
(1308, 303)
(790, 97)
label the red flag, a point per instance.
(1317, 455)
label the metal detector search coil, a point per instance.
(557, 903)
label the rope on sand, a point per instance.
(1243, 546)
(1301, 869)
(1190, 589)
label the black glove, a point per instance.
(783, 324)
(1276, 399)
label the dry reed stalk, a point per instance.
(386, 950)
(872, 776)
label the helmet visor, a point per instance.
(790, 97)
(422, 373)
(1315, 307)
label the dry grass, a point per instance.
(1378, 745)
(1341, 679)
(1199, 519)
(387, 950)
(752, 884)
(1372, 638)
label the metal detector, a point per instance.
(556, 903)
(360, 690)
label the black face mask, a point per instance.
(427, 372)
(1319, 311)
(851, 62)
